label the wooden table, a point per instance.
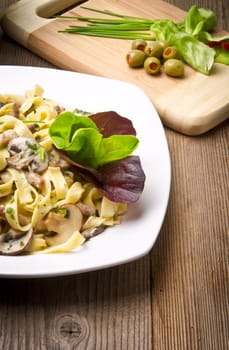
(176, 297)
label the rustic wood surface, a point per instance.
(176, 297)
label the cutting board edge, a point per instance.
(15, 15)
(14, 20)
(195, 125)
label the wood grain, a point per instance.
(186, 104)
(176, 297)
(192, 247)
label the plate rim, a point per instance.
(166, 195)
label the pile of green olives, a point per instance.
(153, 55)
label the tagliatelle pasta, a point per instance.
(45, 206)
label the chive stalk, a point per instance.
(123, 27)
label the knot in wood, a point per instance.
(70, 329)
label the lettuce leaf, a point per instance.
(120, 181)
(222, 56)
(220, 44)
(83, 142)
(194, 52)
(198, 20)
(99, 147)
(164, 29)
(111, 123)
(64, 127)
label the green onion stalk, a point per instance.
(123, 27)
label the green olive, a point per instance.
(171, 52)
(154, 49)
(135, 58)
(138, 44)
(174, 67)
(152, 65)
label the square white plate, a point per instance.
(137, 233)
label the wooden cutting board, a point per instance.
(191, 105)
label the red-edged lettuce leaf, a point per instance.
(120, 181)
(123, 181)
(111, 123)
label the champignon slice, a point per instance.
(86, 209)
(2, 211)
(25, 153)
(35, 179)
(56, 160)
(93, 231)
(61, 225)
(7, 136)
(15, 242)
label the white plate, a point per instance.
(135, 236)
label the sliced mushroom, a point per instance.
(93, 231)
(24, 219)
(59, 109)
(7, 136)
(2, 211)
(62, 226)
(25, 153)
(16, 107)
(86, 210)
(56, 160)
(38, 165)
(35, 179)
(15, 242)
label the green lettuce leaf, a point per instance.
(198, 20)
(164, 29)
(80, 138)
(222, 56)
(64, 127)
(194, 52)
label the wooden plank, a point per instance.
(107, 309)
(189, 261)
(191, 105)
